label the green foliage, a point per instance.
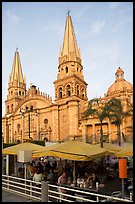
(116, 114)
(96, 109)
(5, 145)
(42, 143)
(115, 111)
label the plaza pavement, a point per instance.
(11, 197)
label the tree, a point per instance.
(96, 108)
(116, 114)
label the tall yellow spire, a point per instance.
(16, 83)
(16, 74)
(70, 50)
(70, 83)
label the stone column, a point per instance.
(94, 133)
(22, 126)
(37, 116)
(84, 132)
(44, 191)
(73, 117)
(12, 129)
(55, 124)
(4, 130)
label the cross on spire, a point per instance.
(16, 49)
(68, 12)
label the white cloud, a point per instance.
(12, 18)
(97, 26)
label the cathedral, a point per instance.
(32, 115)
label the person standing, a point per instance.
(62, 180)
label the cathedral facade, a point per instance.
(31, 114)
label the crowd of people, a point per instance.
(57, 172)
(61, 172)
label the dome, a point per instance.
(120, 84)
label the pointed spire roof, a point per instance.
(16, 74)
(70, 48)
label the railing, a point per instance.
(24, 187)
(44, 192)
(72, 195)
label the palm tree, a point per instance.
(96, 108)
(116, 114)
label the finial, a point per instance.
(68, 12)
(16, 49)
(119, 63)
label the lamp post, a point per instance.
(28, 110)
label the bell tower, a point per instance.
(70, 83)
(16, 85)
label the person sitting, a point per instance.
(95, 180)
(31, 170)
(38, 176)
(89, 181)
(20, 172)
(51, 177)
(62, 179)
(69, 180)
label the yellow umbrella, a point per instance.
(125, 152)
(112, 148)
(26, 146)
(73, 150)
(45, 151)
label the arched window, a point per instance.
(68, 90)
(45, 139)
(77, 90)
(7, 109)
(66, 69)
(83, 93)
(45, 121)
(60, 92)
(18, 127)
(12, 107)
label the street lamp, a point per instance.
(28, 110)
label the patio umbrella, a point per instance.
(125, 152)
(26, 146)
(112, 148)
(72, 150)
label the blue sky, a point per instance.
(104, 33)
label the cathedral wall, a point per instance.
(64, 122)
(73, 117)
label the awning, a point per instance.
(112, 148)
(125, 152)
(26, 146)
(73, 150)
